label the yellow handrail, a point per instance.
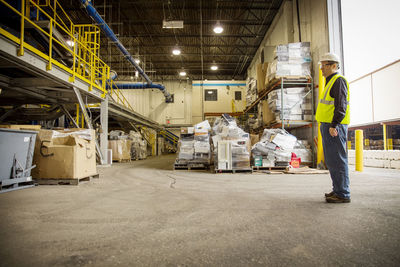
(84, 50)
(120, 96)
(96, 68)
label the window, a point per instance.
(210, 95)
(238, 95)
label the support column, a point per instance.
(335, 30)
(88, 121)
(104, 129)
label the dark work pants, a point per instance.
(335, 154)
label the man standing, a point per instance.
(333, 112)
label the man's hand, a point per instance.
(333, 132)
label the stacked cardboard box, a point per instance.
(291, 60)
(296, 104)
(234, 142)
(64, 154)
(127, 146)
(194, 142)
(121, 149)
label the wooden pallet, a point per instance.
(61, 181)
(234, 170)
(261, 168)
(122, 160)
(191, 166)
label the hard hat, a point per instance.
(330, 57)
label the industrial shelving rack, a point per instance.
(283, 83)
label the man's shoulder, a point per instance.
(341, 79)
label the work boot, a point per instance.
(337, 199)
(329, 194)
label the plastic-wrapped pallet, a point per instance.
(186, 149)
(202, 141)
(236, 141)
(117, 135)
(296, 104)
(303, 151)
(292, 59)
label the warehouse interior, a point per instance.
(180, 133)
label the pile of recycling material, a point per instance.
(276, 147)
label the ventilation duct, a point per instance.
(110, 35)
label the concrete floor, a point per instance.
(144, 214)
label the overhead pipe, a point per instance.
(136, 86)
(110, 34)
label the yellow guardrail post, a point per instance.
(21, 44)
(320, 149)
(359, 150)
(91, 72)
(390, 144)
(348, 144)
(48, 67)
(384, 137)
(77, 114)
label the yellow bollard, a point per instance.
(384, 137)
(390, 143)
(359, 150)
(320, 150)
(348, 145)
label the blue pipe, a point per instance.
(136, 86)
(110, 34)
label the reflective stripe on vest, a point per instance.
(326, 107)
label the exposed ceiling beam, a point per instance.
(181, 44)
(162, 35)
(104, 55)
(185, 62)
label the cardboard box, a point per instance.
(121, 149)
(261, 75)
(22, 127)
(187, 130)
(267, 115)
(64, 154)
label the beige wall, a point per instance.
(225, 97)
(151, 102)
(284, 29)
(188, 106)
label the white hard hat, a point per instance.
(330, 57)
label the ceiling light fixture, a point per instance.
(176, 51)
(214, 67)
(137, 61)
(218, 28)
(182, 73)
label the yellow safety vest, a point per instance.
(326, 105)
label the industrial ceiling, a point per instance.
(139, 26)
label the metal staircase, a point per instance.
(171, 140)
